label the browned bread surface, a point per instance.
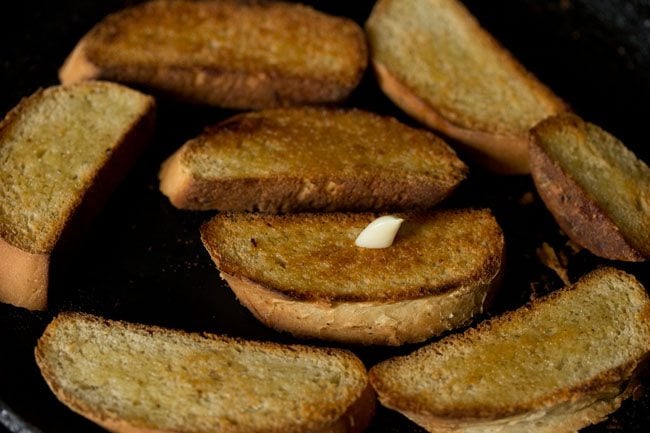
(230, 53)
(136, 378)
(435, 61)
(60, 150)
(302, 273)
(597, 190)
(311, 159)
(557, 365)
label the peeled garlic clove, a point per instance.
(380, 233)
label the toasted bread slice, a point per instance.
(229, 53)
(302, 273)
(141, 379)
(434, 60)
(61, 151)
(597, 190)
(284, 160)
(557, 365)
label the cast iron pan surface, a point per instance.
(142, 259)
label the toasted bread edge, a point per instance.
(354, 419)
(368, 323)
(577, 214)
(622, 380)
(289, 192)
(216, 86)
(499, 153)
(535, 422)
(24, 275)
(78, 67)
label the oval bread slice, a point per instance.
(597, 189)
(228, 53)
(434, 61)
(285, 160)
(61, 152)
(302, 273)
(555, 366)
(132, 378)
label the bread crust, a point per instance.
(77, 67)
(218, 84)
(536, 422)
(386, 323)
(354, 419)
(411, 313)
(502, 154)
(569, 409)
(23, 277)
(575, 211)
(613, 385)
(353, 186)
(28, 267)
(500, 149)
(487, 270)
(285, 194)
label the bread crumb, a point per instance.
(549, 258)
(527, 199)
(575, 248)
(638, 392)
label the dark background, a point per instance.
(143, 261)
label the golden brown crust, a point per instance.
(13, 235)
(585, 402)
(77, 67)
(288, 160)
(536, 422)
(219, 70)
(111, 164)
(175, 181)
(610, 385)
(503, 154)
(576, 212)
(351, 419)
(23, 277)
(285, 194)
(341, 308)
(355, 420)
(387, 323)
(27, 260)
(466, 233)
(497, 141)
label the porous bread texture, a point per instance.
(435, 62)
(597, 189)
(61, 150)
(136, 378)
(559, 364)
(284, 160)
(303, 274)
(228, 53)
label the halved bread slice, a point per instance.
(140, 379)
(292, 159)
(229, 53)
(555, 366)
(597, 190)
(302, 273)
(61, 152)
(434, 60)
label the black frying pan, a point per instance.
(142, 259)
